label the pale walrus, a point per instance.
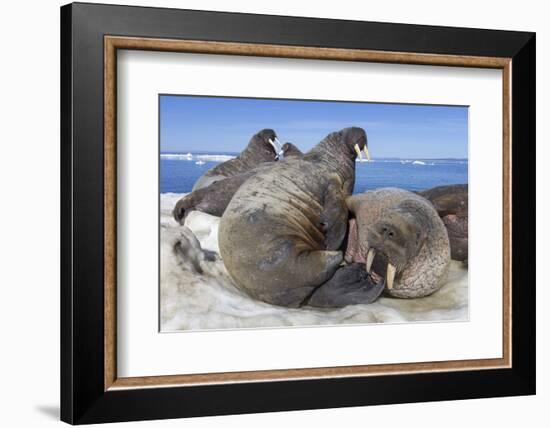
(399, 236)
(213, 199)
(451, 203)
(263, 147)
(280, 235)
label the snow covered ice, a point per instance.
(196, 292)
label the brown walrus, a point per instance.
(263, 147)
(213, 199)
(399, 236)
(290, 151)
(451, 203)
(281, 233)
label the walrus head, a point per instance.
(355, 140)
(340, 147)
(290, 150)
(266, 142)
(451, 203)
(396, 239)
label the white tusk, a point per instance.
(370, 258)
(358, 151)
(366, 153)
(277, 148)
(280, 152)
(390, 275)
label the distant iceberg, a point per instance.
(176, 156)
(197, 157)
(417, 162)
(215, 158)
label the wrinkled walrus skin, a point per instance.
(213, 199)
(280, 235)
(451, 203)
(405, 230)
(258, 150)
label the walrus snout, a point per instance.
(393, 241)
(183, 207)
(266, 135)
(389, 240)
(269, 139)
(383, 263)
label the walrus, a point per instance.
(399, 235)
(213, 199)
(290, 150)
(263, 147)
(451, 203)
(281, 233)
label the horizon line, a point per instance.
(219, 152)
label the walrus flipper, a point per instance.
(212, 199)
(350, 285)
(334, 217)
(312, 268)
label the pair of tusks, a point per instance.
(390, 272)
(359, 154)
(278, 147)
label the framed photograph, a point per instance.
(266, 213)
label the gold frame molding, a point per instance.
(113, 43)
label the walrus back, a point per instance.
(243, 163)
(270, 237)
(230, 168)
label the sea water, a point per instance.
(179, 171)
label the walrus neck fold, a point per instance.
(335, 154)
(252, 155)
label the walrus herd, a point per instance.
(292, 234)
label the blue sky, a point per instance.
(217, 124)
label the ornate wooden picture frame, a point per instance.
(91, 390)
